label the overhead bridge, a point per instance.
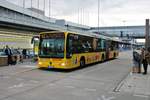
(121, 31)
(22, 20)
(16, 17)
(19, 25)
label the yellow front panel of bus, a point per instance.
(51, 63)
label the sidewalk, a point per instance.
(137, 84)
(26, 66)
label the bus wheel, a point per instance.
(82, 62)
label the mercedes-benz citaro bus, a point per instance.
(67, 50)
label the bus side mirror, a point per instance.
(34, 38)
(69, 54)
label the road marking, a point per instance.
(4, 76)
(34, 81)
(121, 83)
(51, 84)
(104, 98)
(72, 87)
(17, 86)
(19, 79)
(23, 71)
(138, 95)
(29, 66)
(89, 89)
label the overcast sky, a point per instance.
(112, 12)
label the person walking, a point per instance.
(9, 54)
(144, 61)
(147, 57)
(24, 52)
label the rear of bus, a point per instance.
(112, 49)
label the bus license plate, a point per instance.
(50, 67)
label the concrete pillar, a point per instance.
(147, 36)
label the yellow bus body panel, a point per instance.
(69, 63)
(113, 54)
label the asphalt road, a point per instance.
(94, 82)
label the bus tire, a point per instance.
(82, 62)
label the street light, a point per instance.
(23, 3)
(124, 21)
(132, 41)
(98, 14)
(49, 8)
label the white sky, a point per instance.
(112, 12)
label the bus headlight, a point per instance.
(63, 64)
(40, 63)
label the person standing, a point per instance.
(147, 57)
(9, 54)
(24, 52)
(144, 60)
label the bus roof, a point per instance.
(85, 33)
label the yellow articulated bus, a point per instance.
(67, 50)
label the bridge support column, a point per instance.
(147, 35)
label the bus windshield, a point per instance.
(52, 45)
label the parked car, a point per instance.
(30, 53)
(17, 56)
(2, 53)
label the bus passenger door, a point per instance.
(107, 49)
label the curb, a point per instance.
(121, 82)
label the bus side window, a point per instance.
(98, 48)
(95, 44)
(69, 46)
(75, 44)
(103, 45)
(116, 46)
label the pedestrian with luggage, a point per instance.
(144, 61)
(147, 60)
(136, 62)
(8, 52)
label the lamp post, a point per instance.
(147, 36)
(31, 4)
(132, 41)
(124, 24)
(124, 21)
(44, 8)
(49, 8)
(98, 14)
(23, 3)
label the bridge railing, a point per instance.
(11, 16)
